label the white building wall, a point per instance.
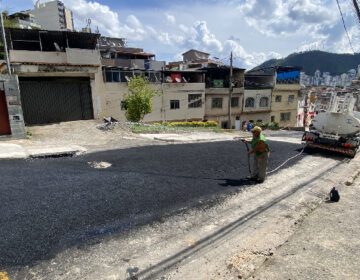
(257, 94)
(70, 56)
(48, 15)
(115, 93)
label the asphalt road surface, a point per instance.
(49, 205)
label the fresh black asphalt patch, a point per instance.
(48, 205)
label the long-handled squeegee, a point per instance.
(247, 148)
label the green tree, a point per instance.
(139, 99)
(8, 23)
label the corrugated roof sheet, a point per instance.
(136, 53)
(46, 40)
(55, 64)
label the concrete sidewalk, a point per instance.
(191, 137)
(326, 245)
(12, 151)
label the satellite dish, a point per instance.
(127, 79)
(58, 49)
(184, 80)
(168, 79)
(178, 80)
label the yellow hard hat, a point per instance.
(256, 128)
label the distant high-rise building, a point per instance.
(53, 15)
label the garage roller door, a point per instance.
(55, 100)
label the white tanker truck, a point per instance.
(337, 129)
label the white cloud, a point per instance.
(133, 21)
(280, 17)
(100, 15)
(206, 37)
(165, 38)
(170, 18)
(271, 27)
(244, 58)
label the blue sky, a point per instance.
(255, 30)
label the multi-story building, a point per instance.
(194, 59)
(180, 97)
(284, 104)
(181, 92)
(217, 95)
(257, 97)
(24, 20)
(217, 86)
(52, 15)
(284, 99)
(58, 82)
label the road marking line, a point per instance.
(3, 275)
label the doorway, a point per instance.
(4, 115)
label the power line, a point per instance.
(342, 17)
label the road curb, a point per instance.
(55, 151)
(352, 178)
(188, 140)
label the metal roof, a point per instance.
(46, 40)
(136, 53)
(193, 50)
(55, 64)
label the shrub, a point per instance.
(139, 99)
(193, 124)
(273, 125)
(265, 125)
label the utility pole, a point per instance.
(4, 41)
(230, 91)
(356, 6)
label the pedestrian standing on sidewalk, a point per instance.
(249, 126)
(260, 149)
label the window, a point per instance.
(285, 117)
(291, 98)
(250, 102)
(224, 124)
(116, 76)
(272, 118)
(278, 98)
(123, 106)
(125, 76)
(195, 101)
(264, 102)
(174, 104)
(108, 76)
(235, 102)
(216, 103)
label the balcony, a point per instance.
(70, 56)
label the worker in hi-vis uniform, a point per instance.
(260, 149)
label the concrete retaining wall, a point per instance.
(16, 118)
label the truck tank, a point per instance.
(339, 119)
(336, 129)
